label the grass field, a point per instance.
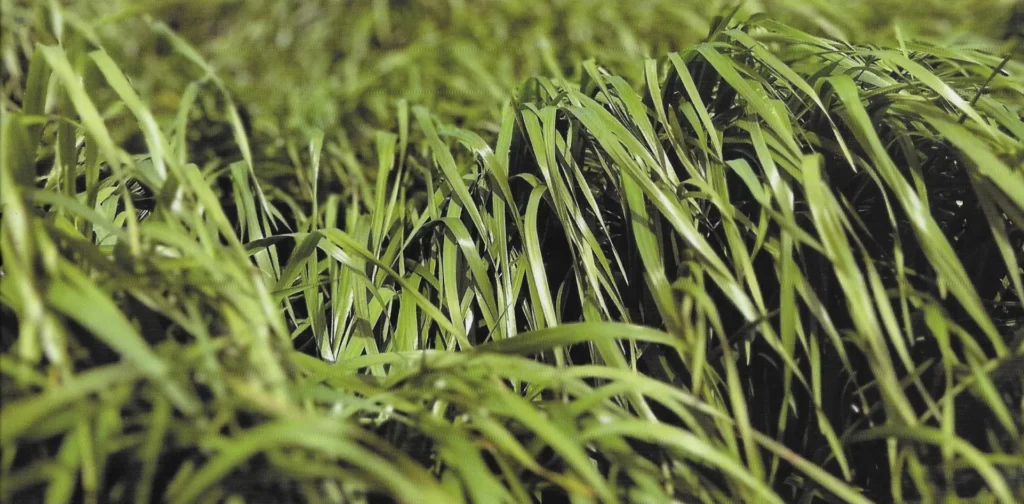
(506, 251)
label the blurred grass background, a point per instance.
(340, 65)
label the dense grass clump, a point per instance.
(768, 265)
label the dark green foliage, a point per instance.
(766, 266)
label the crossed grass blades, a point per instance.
(781, 268)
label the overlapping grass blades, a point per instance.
(786, 270)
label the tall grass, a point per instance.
(770, 267)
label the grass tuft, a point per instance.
(759, 261)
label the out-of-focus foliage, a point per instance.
(342, 64)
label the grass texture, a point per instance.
(746, 263)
